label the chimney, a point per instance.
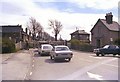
(109, 18)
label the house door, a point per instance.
(98, 43)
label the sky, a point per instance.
(82, 14)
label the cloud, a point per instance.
(96, 4)
(69, 20)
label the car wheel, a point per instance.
(97, 54)
(102, 54)
(51, 57)
(114, 54)
(69, 59)
(38, 52)
(55, 59)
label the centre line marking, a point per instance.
(33, 65)
(30, 73)
(25, 76)
(33, 60)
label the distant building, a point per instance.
(105, 31)
(80, 35)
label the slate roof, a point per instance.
(79, 32)
(114, 26)
(11, 28)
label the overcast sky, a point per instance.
(82, 14)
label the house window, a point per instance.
(73, 36)
(98, 43)
(87, 38)
(99, 30)
(80, 36)
(91, 33)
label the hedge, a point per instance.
(80, 45)
(0, 45)
(117, 42)
(8, 46)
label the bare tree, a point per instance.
(56, 26)
(34, 26)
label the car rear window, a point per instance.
(107, 46)
(47, 47)
(113, 46)
(62, 49)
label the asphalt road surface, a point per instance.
(83, 66)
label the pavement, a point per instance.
(19, 61)
(7, 56)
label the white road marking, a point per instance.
(33, 60)
(82, 71)
(33, 65)
(86, 60)
(96, 57)
(112, 65)
(25, 76)
(95, 76)
(30, 73)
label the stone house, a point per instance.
(105, 31)
(16, 34)
(13, 32)
(80, 35)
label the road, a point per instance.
(83, 66)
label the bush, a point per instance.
(86, 47)
(117, 42)
(80, 45)
(74, 44)
(8, 46)
(0, 45)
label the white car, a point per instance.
(61, 52)
(45, 49)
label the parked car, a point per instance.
(61, 52)
(108, 49)
(45, 49)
